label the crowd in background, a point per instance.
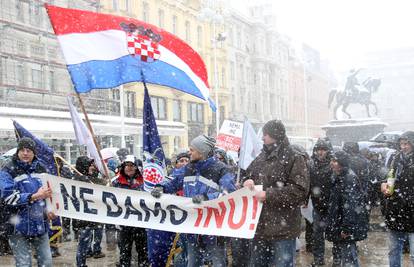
(342, 184)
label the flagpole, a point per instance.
(98, 147)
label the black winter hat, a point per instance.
(26, 142)
(342, 158)
(182, 155)
(83, 163)
(409, 136)
(275, 129)
(351, 147)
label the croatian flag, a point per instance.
(104, 51)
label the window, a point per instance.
(161, 18)
(52, 80)
(115, 5)
(115, 94)
(34, 12)
(238, 39)
(145, 12)
(231, 36)
(159, 107)
(20, 75)
(131, 106)
(176, 110)
(37, 79)
(174, 24)
(195, 112)
(187, 32)
(21, 47)
(223, 77)
(19, 11)
(232, 70)
(199, 36)
(37, 50)
(126, 7)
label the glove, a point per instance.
(157, 191)
(197, 199)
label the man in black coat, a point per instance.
(87, 229)
(320, 185)
(346, 221)
(398, 206)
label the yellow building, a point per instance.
(180, 17)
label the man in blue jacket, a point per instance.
(204, 178)
(24, 196)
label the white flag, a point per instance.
(84, 137)
(250, 145)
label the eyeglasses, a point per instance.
(183, 160)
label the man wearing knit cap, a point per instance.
(345, 223)
(285, 180)
(204, 178)
(24, 196)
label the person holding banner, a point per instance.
(204, 178)
(130, 177)
(86, 229)
(284, 176)
(24, 196)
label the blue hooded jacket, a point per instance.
(208, 177)
(17, 184)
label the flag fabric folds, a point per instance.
(84, 136)
(250, 146)
(154, 173)
(45, 155)
(104, 51)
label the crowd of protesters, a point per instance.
(342, 185)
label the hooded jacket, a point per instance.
(284, 176)
(346, 212)
(209, 178)
(18, 182)
(320, 177)
(399, 207)
(82, 165)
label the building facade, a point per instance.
(34, 85)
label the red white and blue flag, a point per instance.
(104, 51)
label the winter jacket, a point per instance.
(320, 178)
(18, 183)
(209, 178)
(133, 183)
(284, 177)
(347, 212)
(398, 209)
(82, 165)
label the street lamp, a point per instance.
(209, 13)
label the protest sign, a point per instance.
(235, 215)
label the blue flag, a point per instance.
(152, 143)
(154, 173)
(44, 154)
(154, 158)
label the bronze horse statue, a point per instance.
(361, 97)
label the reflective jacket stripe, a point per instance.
(203, 180)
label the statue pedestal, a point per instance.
(353, 130)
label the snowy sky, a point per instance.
(343, 30)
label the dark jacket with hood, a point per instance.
(82, 165)
(399, 207)
(17, 184)
(346, 212)
(284, 176)
(320, 177)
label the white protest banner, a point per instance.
(235, 215)
(230, 134)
